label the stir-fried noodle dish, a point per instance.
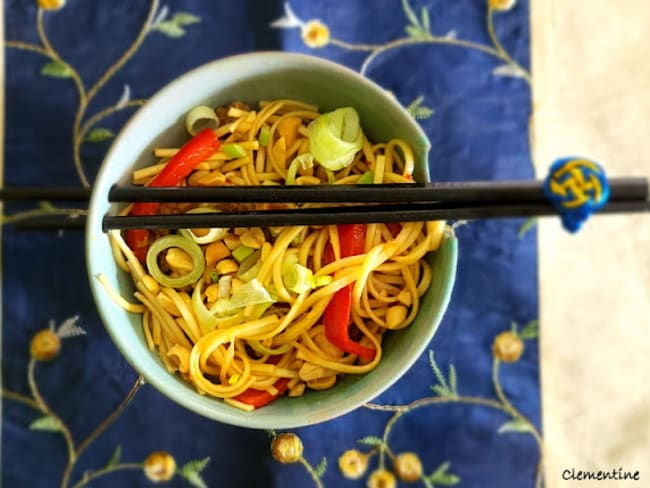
(250, 314)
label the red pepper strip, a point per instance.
(337, 325)
(394, 228)
(259, 398)
(352, 238)
(194, 152)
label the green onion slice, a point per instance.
(335, 138)
(304, 161)
(367, 178)
(265, 136)
(234, 150)
(250, 267)
(199, 118)
(323, 280)
(296, 277)
(250, 293)
(186, 245)
(214, 234)
(240, 253)
(207, 321)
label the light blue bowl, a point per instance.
(159, 123)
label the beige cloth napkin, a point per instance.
(591, 91)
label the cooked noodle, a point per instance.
(387, 279)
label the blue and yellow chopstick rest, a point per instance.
(577, 187)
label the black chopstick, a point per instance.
(623, 189)
(52, 222)
(63, 222)
(36, 193)
(476, 192)
(348, 215)
(393, 203)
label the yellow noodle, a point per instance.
(308, 319)
(436, 231)
(193, 331)
(166, 321)
(282, 241)
(319, 248)
(278, 282)
(117, 254)
(148, 172)
(260, 160)
(117, 298)
(425, 279)
(240, 405)
(157, 336)
(416, 253)
(395, 178)
(391, 270)
(369, 339)
(234, 164)
(334, 241)
(380, 163)
(271, 176)
(374, 258)
(276, 332)
(307, 180)
(304, 353)
(411, 287)
(348, 180)
(340, 264)
(366, 310)
(225, 366)
(136, 269)
(182, 355)
(146, 326)
(233, 178)
(306, 247)
(163, 357)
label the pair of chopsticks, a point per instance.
(368, 203)
(51, 221)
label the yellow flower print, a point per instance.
(508, 347)
(51, 4)
(45, 345)
(408, 467)
(287, 448)
(315, 34)
(159, 466)
(353, 464)
(501, 5)
(381, 478)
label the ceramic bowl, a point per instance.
(159, 123)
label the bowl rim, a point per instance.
(131, 352)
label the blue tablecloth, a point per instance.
(74, 75)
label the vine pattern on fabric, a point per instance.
(45, 346)
(86, 128)
(47, 343)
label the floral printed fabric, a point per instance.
(74, 412)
